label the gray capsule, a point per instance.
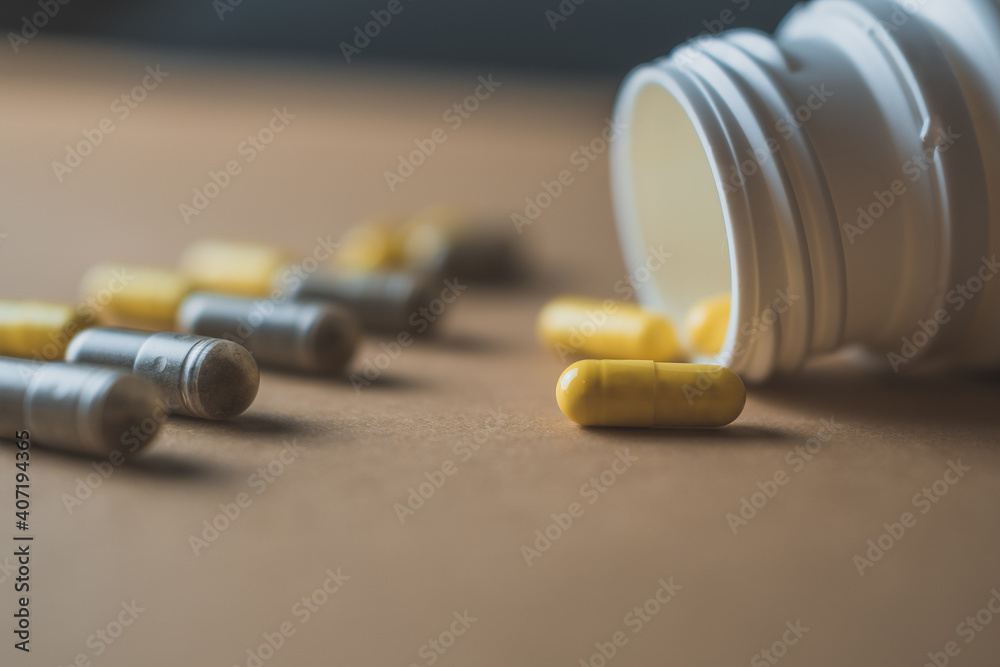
(385, 302)
(200, 377)
(84, 409)
(295, 336)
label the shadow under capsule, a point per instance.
(734, 433)
(940, 400)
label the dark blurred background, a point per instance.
(597, 36)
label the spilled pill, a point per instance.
(139, 297)
(580, 327)
(233, 267)
(383, 301)
(456, 242)
(707, 323)
(38, 329)
(373, 245)
(83, 409)
(649, 394)
(295, 336)
(199, 377)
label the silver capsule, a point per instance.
(296, 336)
(383, 301)
(199, 376)
(83, 409)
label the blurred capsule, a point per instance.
(649, 394)
(38, 329)
(580, 327)
(386, 302)
(298, 336)
(373, 245)
(455, 241)
(83, 409)
(135, 296)
(200, 377)
(233, 267)
(707, 323)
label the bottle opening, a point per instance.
(674, 205)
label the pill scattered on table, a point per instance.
(707, 324)
(649, 394)
(38, 329)
(82, 409)
(200, 377)
(581, 327)
(132, 296)
(304, 337)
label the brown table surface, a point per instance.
(333, 506)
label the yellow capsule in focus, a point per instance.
(707, 323)
(233, 267)
(137, 297)
(373, 245)
(576, 326)
(38, 329)
(649, 394)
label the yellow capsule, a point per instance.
(373, 245)
(575, 326)
(38, 329)
(707, 322)
(233, 267)
(649, 394)
(137, 297)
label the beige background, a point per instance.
(334, 505)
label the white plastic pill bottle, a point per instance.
(840, 179)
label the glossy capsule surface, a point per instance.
(647, 394)
(233, 267)
(137, 297)
(707, 323)
(580, 327)
(38, 329)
